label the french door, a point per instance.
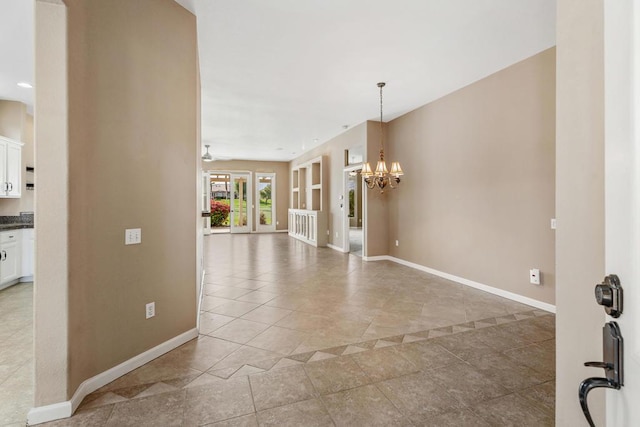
(241, 207)
(266, 201)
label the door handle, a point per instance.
(612, 352)
(585, 387)
(4, 256)
(10, 186)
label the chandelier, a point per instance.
(381, 177)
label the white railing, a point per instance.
(308, 226)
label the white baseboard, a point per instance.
(378, 258)
(26, 279)
(490, 289)
(42, 414)
(60, 410)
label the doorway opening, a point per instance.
(353, 211)
(230, 202)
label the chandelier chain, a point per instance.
(381, 85)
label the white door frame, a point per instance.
(345, 209)
(205, 196)
(259, 227)
(250, 180)
(622, 184)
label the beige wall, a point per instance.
(376, 219)
(133, 158)
(580, 203)
(12, 118)
(281, 169)
(333, 185)
(17, 124)
(51, 289)
(478, 194)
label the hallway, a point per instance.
(294, 335)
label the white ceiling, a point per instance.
(282, 76)
(16, 50)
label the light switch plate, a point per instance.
(133, 236)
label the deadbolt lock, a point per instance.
(609, 295)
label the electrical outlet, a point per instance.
(132, 236)
(277, 222)
(534, 276)
(328, 234)
(397, 243)
(336, 234)
(150, 310)
(553, 223)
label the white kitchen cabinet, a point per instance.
(10, 256)
(10, 168)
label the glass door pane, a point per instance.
(220, 193)
(265, 194)
(240, 203)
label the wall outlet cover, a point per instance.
(534, 276)
(150, 310)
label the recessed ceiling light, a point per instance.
(279, 149)
(25, 85)
(315, 140)
(345, 126)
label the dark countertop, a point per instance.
(16, 226)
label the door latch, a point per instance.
(612, 351)
(609, 295)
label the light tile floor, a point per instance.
(16, 354)
(292, 335)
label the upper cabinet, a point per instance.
(10, 168)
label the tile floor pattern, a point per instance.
(292, 335)
(16, 354)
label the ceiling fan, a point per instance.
(207, 157)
